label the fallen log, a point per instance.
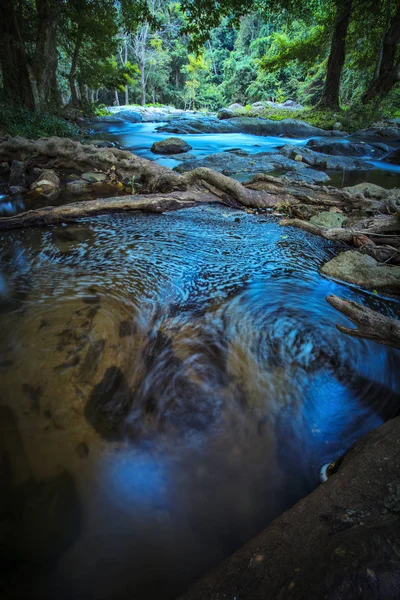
(371, 324)
(157, 203)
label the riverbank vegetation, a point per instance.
(338, 59)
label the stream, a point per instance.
(169, 385)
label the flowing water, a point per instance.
(169, 384)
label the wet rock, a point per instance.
(363, 270)
(171, 145)
(108, 119)
(104, 144)
(346, 148)
(388, 133)
(324, 161)
(235, 107)
(183, 156)
(93, 177)
(198, 125)
(287, 127)
(339, 542)
(47, 184)
(17, 189)
(327, 219)
(34, 395)
(130, 115)
(17, 174)
(237, 151)
(393, 158)
(77, 187)
(262, 162)
(109, 404)
(225, 113)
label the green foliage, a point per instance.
(33, 125)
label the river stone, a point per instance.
(363, 270)
(198, 125)
(262, 162)
(46, 179)
(339, 542)
(94, 177)
(77, 187)
(130, 115)
(324, 161)
(346, 148)
(331, 220)
(225, 113)
(235, 107)
(389, 133)
(171, 145)
(292, 128)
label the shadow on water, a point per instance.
(185, 371)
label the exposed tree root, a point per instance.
(363, 235)
(371, 325)
(157, 203)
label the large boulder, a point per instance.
(47, 184)
(198, 125)
(263, 162)
(347, 148)
(363, 270)
(369, 190)
(324, 161)
(225, 113)
(292, 128)
(235, 107)
(171, 145)
(372, 133)
(130, 115)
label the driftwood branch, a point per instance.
(157, 203)
(371, 325)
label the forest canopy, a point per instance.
(199, 54)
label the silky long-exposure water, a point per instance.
(170, 383)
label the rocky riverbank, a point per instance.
(339, 542)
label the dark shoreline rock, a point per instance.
(339, 542)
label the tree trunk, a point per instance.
(143, 83)
(72, 73)
(330, 94)
(125, 61)
(13, 60)
(45, 61)
(389, 71)
(116, 98)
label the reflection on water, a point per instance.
(182, 377)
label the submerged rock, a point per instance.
(363, 270)
(328, 219)
(171, 145)
(94, 177)
(77, 187)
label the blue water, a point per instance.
(212, 325)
